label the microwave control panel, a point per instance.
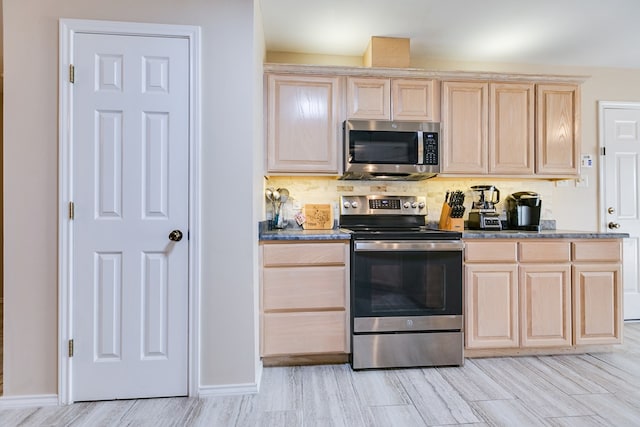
(431, 148)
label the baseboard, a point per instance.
(227, 390)
(233, 389)
(28, 401)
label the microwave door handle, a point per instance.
(420, 147)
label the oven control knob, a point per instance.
(354, 204)
(414, 205)
(346, 205)
(421, 205)
(406, 205)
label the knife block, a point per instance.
(448, 223)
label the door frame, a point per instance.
(68, 28)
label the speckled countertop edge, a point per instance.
(264, 234)
(544, 234)
(296, 233)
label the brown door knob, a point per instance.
(175, 236)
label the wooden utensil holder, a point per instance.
(448, 223)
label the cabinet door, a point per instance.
(557, 129)
(491, 295)
(545, 305)
(597, 303)
(511, 128)
(415, 99)
(464, 127)
(303, 127)
(368, 98)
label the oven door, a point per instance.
(406, 278)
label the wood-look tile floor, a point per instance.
(597, 389)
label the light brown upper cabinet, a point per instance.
(511, 128)
(465, 118)
(488, 128)
(557, 129)
(303, 124)
(370, 98)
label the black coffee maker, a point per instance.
(523, 211)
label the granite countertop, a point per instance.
(543, 234)
(296, 233)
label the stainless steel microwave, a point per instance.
(389, 150)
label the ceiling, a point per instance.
(583, 33)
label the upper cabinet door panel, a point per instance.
(415, 99)
(558, 129)
(511, 128)
(464, 127)
(369, 98)
(303, 124)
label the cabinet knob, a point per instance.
(610, 210)
(613, 225)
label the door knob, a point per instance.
(611, 210)
(613, 225)
(175, 235)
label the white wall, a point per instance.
(231, 106)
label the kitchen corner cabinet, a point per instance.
(370, 98)
(488, 128)
(304, 298)
(303, 124)
(542, 295)
(557, 129)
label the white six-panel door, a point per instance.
(130, 190)
(620, 134)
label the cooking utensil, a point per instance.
(280, 196)
(284, 194)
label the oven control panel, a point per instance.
(383, 205)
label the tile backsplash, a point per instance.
(328, 190)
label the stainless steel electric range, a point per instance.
(406, 285)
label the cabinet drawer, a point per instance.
(501, 251)
(603, 250)
(304, 333)
(290, 288)
(304, 254)
(545, 251)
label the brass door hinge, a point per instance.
(72, 73)
(72, 210)
(71, 348)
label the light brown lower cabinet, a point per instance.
(535, 294)
(304, 298)
(545, 305)
(492, 306)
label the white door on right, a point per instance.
(620, 138)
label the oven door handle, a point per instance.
(408, 245)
